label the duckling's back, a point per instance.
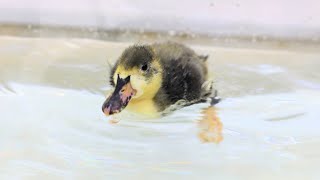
(184, 73)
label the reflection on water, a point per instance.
(208, 123)
(52, 127)
(210, 126)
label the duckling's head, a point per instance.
(136, 76)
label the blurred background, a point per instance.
(249, 19)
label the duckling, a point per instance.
(148, 79)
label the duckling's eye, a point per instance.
(144, 67)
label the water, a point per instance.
(51, 92)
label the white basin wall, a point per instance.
(285, 18)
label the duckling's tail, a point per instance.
(203, 57)
(215, 99)
(209, 92)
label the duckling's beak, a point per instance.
(120, 97)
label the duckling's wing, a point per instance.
(208, 94)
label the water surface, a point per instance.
(51, 92)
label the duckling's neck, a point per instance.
(144, 106)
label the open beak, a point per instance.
(120, 97)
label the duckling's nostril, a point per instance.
(127, 79)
